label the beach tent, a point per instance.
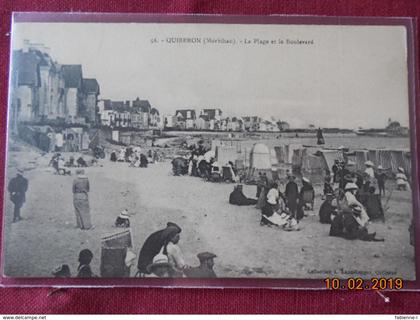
(373, 155)
(314, 166)
(361, 156)
(400, 158)
(290, 151)
(385, 159)
(407, 162)
(297, 157)
(329, 156)
(259, 161)
(282, 153)
(260, 157)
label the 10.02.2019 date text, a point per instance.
(362, 284)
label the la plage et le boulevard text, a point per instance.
(232, 41)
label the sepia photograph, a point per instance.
(209, 150)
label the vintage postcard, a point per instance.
(196, 148)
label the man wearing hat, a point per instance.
(381, 177)
(159, 268)
(369, 169)
(205, 269)
(17, 188)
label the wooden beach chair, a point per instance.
(113, 253)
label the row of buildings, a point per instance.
(213, 120)
(139, 114)
(136, 114)
(43, 90)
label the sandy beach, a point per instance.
(48, 235)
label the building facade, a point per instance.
(44, 90)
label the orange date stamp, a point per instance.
(364, 284)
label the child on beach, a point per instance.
(123, 219)
(84, 270)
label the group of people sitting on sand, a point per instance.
(159, 257)
(357, 200)
(200, 162)
(348, 216)
(61, 166)
(350, 201)
(376, 176)
(281, 208)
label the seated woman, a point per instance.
(81, 162)
(327, 209)
(353, 227)
(113, 156)
(274, 211)
(351, 200)
(143, 161)
(238, 198)
(121, 155)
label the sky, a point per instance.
(349, 77)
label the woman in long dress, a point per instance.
(81, 200)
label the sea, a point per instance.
(332, 140)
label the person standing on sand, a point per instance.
(17, 188)
(292, 195)
(262, 198)
(381, 177)
(81, 200)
